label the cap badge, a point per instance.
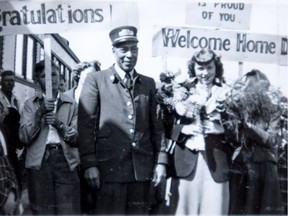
(125, 32)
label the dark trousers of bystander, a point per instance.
(252, 185)
(54, 189)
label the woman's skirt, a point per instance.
(199, 194)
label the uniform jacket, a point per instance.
(34, 135)
(118, 129)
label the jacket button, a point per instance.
(134, 144)
(131, 131)
(129, 103)
(130, 117)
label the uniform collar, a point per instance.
(115, 77)
(121, 72)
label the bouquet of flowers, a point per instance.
(180, 96)
(254, 105)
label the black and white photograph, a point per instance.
(143, 107)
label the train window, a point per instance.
(29, 49)
(41, 57)
(19, 54)
(30, 59)
(1, 51)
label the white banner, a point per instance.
(37, 17)
(231, 45)
(221, 15)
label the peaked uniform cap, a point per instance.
(123, 34)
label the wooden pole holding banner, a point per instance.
(47, 60)
(240, 69)
(164, 63)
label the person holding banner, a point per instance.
(122, 144)
(49, 130)
(199, 155)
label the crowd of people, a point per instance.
(116, 144)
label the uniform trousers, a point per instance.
(123, 198)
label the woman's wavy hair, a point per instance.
(203, 57)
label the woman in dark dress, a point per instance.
(254, 185)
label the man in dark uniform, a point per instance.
(121, 140)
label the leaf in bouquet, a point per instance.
(284, 111)
(169, 101)
(167, 89)
(161, 96)
(180, 93)
(251, 104)
(167, 77)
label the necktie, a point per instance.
(128, 81)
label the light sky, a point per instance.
(267, 17)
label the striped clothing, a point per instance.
(8, 180)
(282, 172)
(282, 156)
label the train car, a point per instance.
(20, 53)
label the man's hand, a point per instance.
(159, 174)
(92, 176)
(51, 118)
(46, 106)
